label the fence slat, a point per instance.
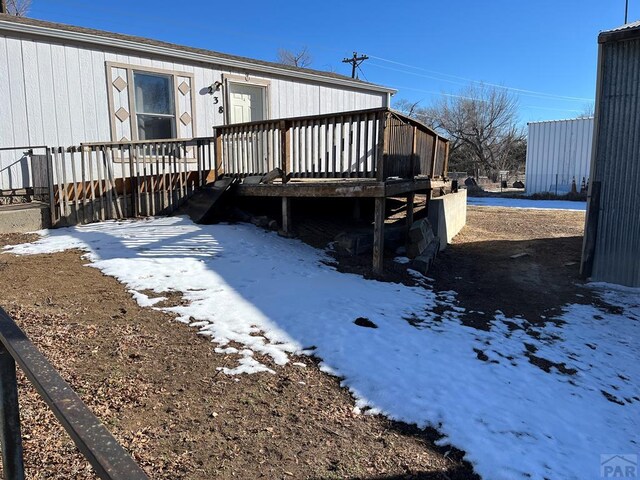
(75, 183)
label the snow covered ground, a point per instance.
(526, 203)
(276, 297)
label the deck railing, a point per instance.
(113, 180)
(375, 143)
(30, 182)
(109, 460)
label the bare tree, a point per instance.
(588, 110)
(300, 59)
(482, 125)
(19, 8)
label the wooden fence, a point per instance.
(94, 182)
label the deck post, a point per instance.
(435, 156)
(285, 149)
(382, 146)
(414, 151)
(410, 204)
(52, 194)
(218, 150)
(286, 215)
(378, 236)
(10, 437)
(445, 166)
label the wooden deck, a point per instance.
(376, 153)
(346, 188)
(330, 188)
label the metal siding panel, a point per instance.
(61, 97)
(561, 148)
(6, 132)
(15, 169)
(47, 92)
(98, 72)
(617, 246)
(32, 89)
(87, 84)
(76, 107)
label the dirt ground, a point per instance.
(155, 383)
(544, 276)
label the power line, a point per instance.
(452, 95)
(532, 93)
(362, 72)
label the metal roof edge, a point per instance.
(628, 31)
(167, 51)
(561, 120)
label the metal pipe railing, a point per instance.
(107, 457)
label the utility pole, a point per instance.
(626, 11)
(355, 62)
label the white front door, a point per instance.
(247, 103)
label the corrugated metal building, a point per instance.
(611, 251)
(558, 152)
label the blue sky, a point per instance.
(544, 50)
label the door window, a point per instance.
(247, 103)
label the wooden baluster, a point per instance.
(72, 150)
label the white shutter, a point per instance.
(184, 114)
(119, 104)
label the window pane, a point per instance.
(151, 128)
(154, 93)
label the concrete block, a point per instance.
(432, 249)
(421, 264)
(417, 231)
(416, 248)
(421, 230)
(429, 236)
(448, 214)
(24, 217)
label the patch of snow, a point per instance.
(144, 300)
(246, 364)
(402, 260)
(479, 388)
(299, 364)
(226, 351)
(526, 203)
